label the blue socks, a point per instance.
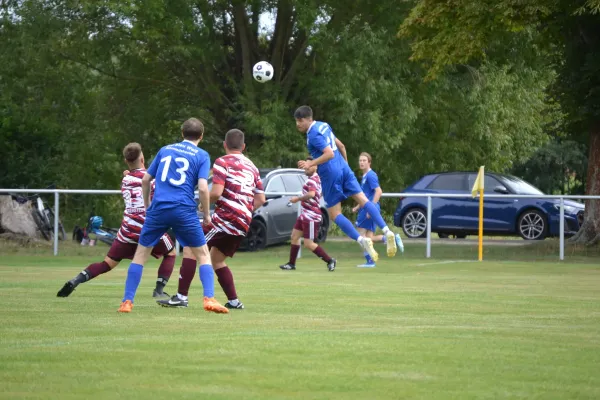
(347, 227)
(207, 277)
(373, 211)
(134, 276)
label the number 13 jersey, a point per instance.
(176, 169)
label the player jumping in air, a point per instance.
(178, 168)
(338, 180)
(308, 222)
(364, 223)
(126, 243)
(237, 191)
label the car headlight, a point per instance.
(568, 209)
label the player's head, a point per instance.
(134, 158)
(364, 161)
(312, 170)
(234, 141)
(304, 117)
(192, 129)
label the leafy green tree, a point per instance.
(566, 38)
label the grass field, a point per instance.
(412, 328)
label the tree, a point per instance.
(566, 38)
(133, 71)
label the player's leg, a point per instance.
(375, 214)
(92, 271)
(134, 276)
(225, 278)
(310, 230)
(335, 214)
(369, 263)
(296, 240)
(205, 271)
(187, 271)
(155, 225)
(190, 234)
(165, 249)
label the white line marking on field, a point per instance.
(445, 262)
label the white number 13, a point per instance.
(180, 171)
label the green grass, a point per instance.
(411, 328)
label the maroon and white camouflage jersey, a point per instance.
(135, 212)
(310, 210)
(241, 181)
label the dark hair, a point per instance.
(192, 129)
(303, 112)
(132, 152)
(234, 139)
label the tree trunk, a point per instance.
(589, 233)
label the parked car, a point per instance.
(532, 219)
(273, 222)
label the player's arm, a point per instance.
(377, 195)
(326, 156)
(204, 195)
(341, 148)
(216, 192)
(259, 200)
(146, 183)
(309, 195)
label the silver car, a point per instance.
(273, 222)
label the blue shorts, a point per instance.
(338, 185)
(183, 220)
(366, 223)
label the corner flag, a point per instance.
(478, 187)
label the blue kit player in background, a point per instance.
(364, 223)
(177, 168)
(337, 179)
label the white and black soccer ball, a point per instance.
(263, 71)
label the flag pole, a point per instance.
(480, 224)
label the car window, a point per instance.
(449, 182)
(275, 185)
(489, 183)
(519, 186)
(292, 183)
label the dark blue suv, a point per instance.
(532, 219)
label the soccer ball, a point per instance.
(263, 71)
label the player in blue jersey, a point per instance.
(338, 180)
(364, 223)
(177, 168)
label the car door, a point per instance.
(293, 183)
(498, 213)
(276, 207)
(450, 213)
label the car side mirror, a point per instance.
(501, 189)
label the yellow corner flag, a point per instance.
(478, 187)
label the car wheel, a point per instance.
(443, 235)
(323, 229)
(257, 236)
(414, 223)
(461, 236)
(532, 225)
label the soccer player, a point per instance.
(308, 222)
(178, 168)
(338, 180)
(237, 191)
(364, 223)
(127, 238)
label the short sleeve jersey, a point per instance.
(176, 169)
